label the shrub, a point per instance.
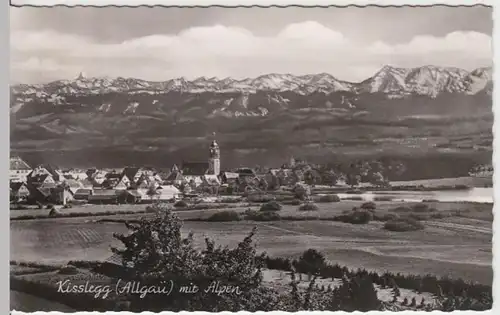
(262, 216)
(329, 198)
(357, 293)
(385, 217)
(158, 207)
(18, 206)
(229, 200)
(68, 270)
(419, 216)
(181, 204)
(271, 206)
(225, 216)
(309, 206)
(401, 209)
(354, 198)
(256, 197)
(68, 206)
(54, 212)
(150, 209)
(370, 205)
(301, 191)
(354, 191)
(295, 202)
(440, 215)
(361, 217)
(49, 206)
(403, 225)
(311, 261)
(356, 217)
(79, 202)
(422, 207)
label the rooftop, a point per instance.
(16, 163)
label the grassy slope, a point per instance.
(23, 302)
(462, 249)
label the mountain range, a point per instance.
(396, 82)
(249, 115)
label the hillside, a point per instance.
(102, 121)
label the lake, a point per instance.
(476, 194)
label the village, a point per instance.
(49, 185)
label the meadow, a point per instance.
(457, 245)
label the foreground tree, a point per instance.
(155, 253)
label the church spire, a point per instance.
(214, 157)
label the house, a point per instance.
(245, 172)
(129, 197)
(195, 168)
(19, 190)
(246, 183)
(82, 194)
(89, 183)
(41, 179)
(38, 195)
(175, 178)
(163, 175)
(61, 195)
(146, 181)
(104, 196)
(57, 174)
(209, 184)
(48, 186)
(122, 184)
(18, 170)
(167, 192)
(74, 174)
(229, 177)
(194, 171)
(115, 181)
(40, 175)
(193, 181)
(91, 172)
(73, 185)
(135, 173)
(99, 176)
(211, 180)
(131, 173)
(272, 178)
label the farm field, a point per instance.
(126, 209)
(479, 214)
(440, 182)
(458, 248)
(79, 209)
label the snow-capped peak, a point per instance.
(393, 81)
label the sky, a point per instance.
(159, 44)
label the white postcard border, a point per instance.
(229, 3)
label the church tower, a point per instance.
(214, 159)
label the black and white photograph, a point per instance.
(334, 158)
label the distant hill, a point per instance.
(271, 116)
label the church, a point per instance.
(199, 172)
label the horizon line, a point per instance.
(216, 78)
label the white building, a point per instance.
(19, 170)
